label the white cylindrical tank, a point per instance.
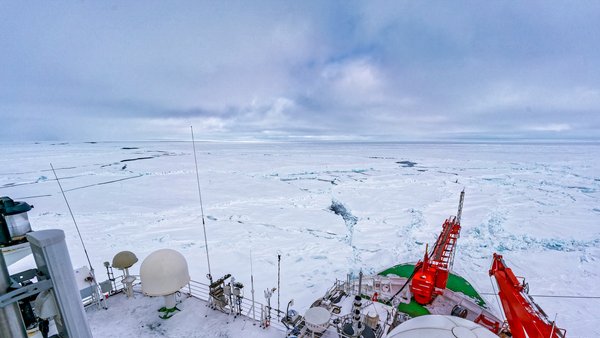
(437, 326)
(372, 319)
(164, 272)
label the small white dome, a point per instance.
(436, 326)
(164, 272)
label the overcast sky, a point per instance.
(368, 70)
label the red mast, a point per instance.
(431, 273)
(525, 318)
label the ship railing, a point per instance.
(260, 313)
(201, 291)
(384, 286)
(263, 315)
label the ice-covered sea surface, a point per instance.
(329, 209)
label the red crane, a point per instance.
(431, 274)
(525, 318)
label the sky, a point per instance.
(299, 70)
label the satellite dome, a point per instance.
(436, 326)
(317, 319)
(164, 272)
(124, 260)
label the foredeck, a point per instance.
(455, 283)
(139, 317)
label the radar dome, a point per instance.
(436, 326)
(124, 260)
(317, 319)
(164, 272)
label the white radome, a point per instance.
(164, 272)
(436, 326)
(317, 319)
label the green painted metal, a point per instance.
(401, 270)
(413, 309)
(455, 283)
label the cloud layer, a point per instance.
(401, 70)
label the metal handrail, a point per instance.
(201, 291)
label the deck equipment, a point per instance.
(525, 317)
(431, 273)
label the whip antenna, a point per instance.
(278, 282)
(73, 218)
(252, 284)
(201, 206)
(98, 294)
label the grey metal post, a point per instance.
(278, 281)
(11, 321)
(360, 277)
(52, 259)
(460, 206)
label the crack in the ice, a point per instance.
(340, 209)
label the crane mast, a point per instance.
(431, 273)
(525, 318)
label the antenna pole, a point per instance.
(252, 287)
(201, 206)
(278, 281)
(553, 325)
(99, 295)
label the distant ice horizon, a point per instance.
(301, 140)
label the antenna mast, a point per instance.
(201, 206)
(278, 281)
(252, 290)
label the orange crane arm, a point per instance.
(525, 318)
(431, 273)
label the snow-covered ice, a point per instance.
(329, 209)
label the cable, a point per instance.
(405, 284)
(497, 298)
(551, 296)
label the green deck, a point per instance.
(413, 309)
(455, 283)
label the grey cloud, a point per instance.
(377, 70)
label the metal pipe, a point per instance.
(460, 206)
(11, 321)
(252, 287)
(360, 277)
(278, 282)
